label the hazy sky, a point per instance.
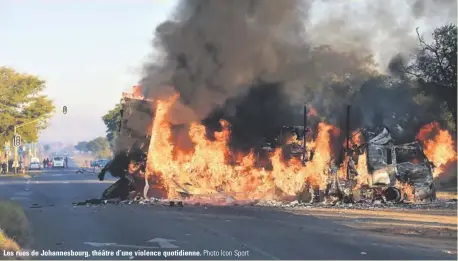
(88, 51)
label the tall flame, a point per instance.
(439, 146)
(208, 171)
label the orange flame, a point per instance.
(407, 190)
(439, 146)
(137, 91)
(208, 172)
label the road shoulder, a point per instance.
(425, 227)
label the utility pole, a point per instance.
(7, 151)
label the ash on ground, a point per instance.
(437, 204)
(450, 204)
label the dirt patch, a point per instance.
(433, 224)
(14, 223)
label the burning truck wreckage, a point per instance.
(248, 107)
(297, 167)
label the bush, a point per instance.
(14, 223)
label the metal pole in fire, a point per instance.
(304, 143)
(347, 130)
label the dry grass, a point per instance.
(447, 195)
(7, 243)
(14, 223)
(443, 217)
(423, 223)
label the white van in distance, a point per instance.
(58, 162)
(35, 164)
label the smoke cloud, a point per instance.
(256, 63)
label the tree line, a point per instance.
(434, 66)
(99, 146)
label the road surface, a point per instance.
(211, 232)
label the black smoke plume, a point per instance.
(255, 63)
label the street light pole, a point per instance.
(7, 156)
(15, 151)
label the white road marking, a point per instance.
(56, 175)
(20, 198)
(22, 195)
(163, 243)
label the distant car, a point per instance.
(58, 162)
(102, 163)
(35, 165)
(99, 163)
(94, 163)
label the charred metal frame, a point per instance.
(304, 143)
(348, 135)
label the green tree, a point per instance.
(112, 120)
(99, 146)
(82, 146)
(21, 101)
(434, 66)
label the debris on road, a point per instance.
(437, 204)
(140, 201)
(449, 252)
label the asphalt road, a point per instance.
(211, 232)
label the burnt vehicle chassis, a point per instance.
(393, 169)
